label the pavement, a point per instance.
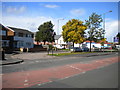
(16, 58)
(9, 60)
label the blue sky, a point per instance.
(30, 15)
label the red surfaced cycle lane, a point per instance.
(29, 78)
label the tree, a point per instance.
(45, 32)
(95, 33)
(73, 31)
(118, 36)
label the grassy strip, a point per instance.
(63, 54)
(64, 49)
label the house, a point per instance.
(22, 38)
(7, 35)
(98, 45)
(59, 42)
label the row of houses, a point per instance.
(14, 38)
(59, 43)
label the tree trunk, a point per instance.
(37, 42)
(90, 45)
(73, 44)
(44, 42)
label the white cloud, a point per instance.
(51, 6)
(111, 29)
(11, 9)
(31, 23)
(77, 12)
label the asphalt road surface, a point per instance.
(74, 71)
(106, 77)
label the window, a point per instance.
(21, 43)
(20, 34)
(2, 32)
(16, 34)
(29, 35)
(28, 44)
(5, 43)
(60, 41)
(32, 35)
(26, 35)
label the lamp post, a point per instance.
(104, 24)
(58, 24)
(104, 21)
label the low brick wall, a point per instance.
(37, 49)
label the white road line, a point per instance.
(26, 84)
(26, 81)
(44, 83)
(36, 61)
(74, 67)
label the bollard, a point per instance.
(27, 49)
(52, 52)
(3, 55)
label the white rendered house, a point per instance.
(22, 38)
(59, 42)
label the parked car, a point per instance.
(76, 49)
(118, 47)
(85, 49)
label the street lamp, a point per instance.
(104, 21)
(104, 24)
(58, 24)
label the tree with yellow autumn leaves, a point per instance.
(73, 31)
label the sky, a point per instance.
(30, 15)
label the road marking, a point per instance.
(74, 67)
(83, 72)
(26, 81)
(26, 84)
(61, 72)
(36, 61)
(44, 83)
(23, 63)
(31, 62)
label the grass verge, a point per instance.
(63, 54)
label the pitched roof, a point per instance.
(4, 27)
(20, 30)
(89, 41)
(57, 37)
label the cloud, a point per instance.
(18, 10)
(31, 23)
(111, 29)
(51, 6)
(77, 12)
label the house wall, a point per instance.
(76, 45)
(7, 38)
(60, 41)
(10, 33)
(23, 42)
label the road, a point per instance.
(73, 71)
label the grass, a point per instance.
(64, 49)
(63, 54)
